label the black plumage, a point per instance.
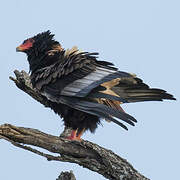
(82, 89)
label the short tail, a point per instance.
(141, 95)
(140, 92)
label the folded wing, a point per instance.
(95, 87)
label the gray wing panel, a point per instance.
(81, 87)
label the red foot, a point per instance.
(74, 136)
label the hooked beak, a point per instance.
(19, 49)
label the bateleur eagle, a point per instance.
(82, 89)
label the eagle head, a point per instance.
(37, 48)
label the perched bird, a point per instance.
(82, 89)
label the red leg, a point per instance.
(73, 135)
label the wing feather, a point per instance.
(97, 109)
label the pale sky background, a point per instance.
(139, 36)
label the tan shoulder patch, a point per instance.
(73, 50)
(56, 48)
(132, 74)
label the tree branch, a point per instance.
(84, 153)
(66, 176)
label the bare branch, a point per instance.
(84, 153)
(23, 82)
(66, 176)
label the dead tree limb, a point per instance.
(66, 176)
(84, 153)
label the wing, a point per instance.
(71, 80)
(78, 80)
(78, 74)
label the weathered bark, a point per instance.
(84, 153)
(66, 176)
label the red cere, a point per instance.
(27, 44)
